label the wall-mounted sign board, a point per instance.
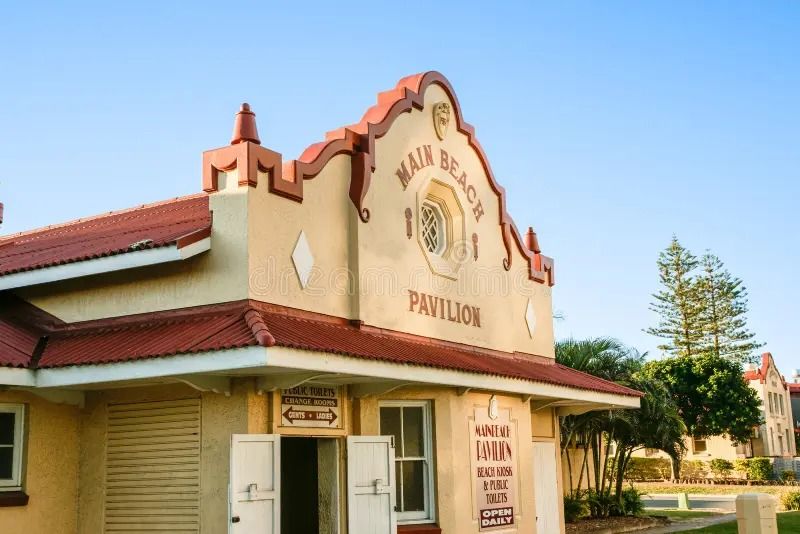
(493, 450)
(312, 407)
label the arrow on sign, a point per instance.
(292, 414)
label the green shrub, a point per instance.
(791, 500)
(742, 466)
(694, 469)
(574, 507)
(759, 469)
(632, 501)
(602, 504)
(721, 468)
(641, 469)
(787, 475)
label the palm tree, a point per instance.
(655, 425)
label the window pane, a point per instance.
(413, 486)
(390, 426)
(6, 428)
(413, 432)
(6, 462)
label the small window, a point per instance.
(699, 445)
(433, 228)
(410, 424)
(771, 409)
(780, 401)
(11, 432)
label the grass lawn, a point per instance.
(787, 522)
(711, 489)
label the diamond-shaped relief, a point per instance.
(530, 318)
(303, 259)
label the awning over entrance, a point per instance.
(251, 324)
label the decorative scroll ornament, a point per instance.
(441, 118)
(493, 408)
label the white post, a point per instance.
(755, 514)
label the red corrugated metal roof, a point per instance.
(248, 323)
(163, 223)
(21, 328)
(17, 343)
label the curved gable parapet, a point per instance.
(358, 141)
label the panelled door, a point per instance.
(371, 485)
(255, 484)
(545, 484)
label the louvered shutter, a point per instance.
(153, 467)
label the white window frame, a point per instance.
(15, 482)
(429, 514)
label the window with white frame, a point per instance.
(11, 434)
(771, 410)
(410, 423)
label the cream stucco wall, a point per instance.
(364, 270)
(451, 413)
(243, 412)
(50, 469)
(219, 275)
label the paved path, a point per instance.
(691, 524)
(697, 501)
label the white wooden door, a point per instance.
(545, 487)
(371, 485)
(255, 484)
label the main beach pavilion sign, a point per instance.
(493, 461)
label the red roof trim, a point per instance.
(248, 323)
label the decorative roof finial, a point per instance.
(531, 241)
(244, 128)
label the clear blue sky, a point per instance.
(619, 123)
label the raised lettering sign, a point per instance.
(424, 156)
(444, 309)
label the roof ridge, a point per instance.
(11, 237)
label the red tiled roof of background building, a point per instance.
(250, 323)
(760, 374)
(151, 226)
(794, 388)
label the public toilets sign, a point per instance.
(493, 453)
(312, 406)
